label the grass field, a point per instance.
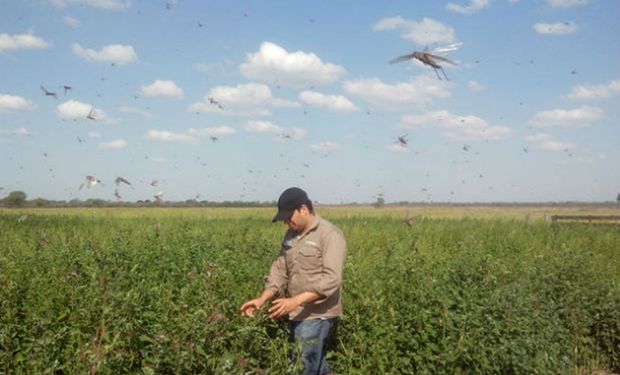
(519, 212)
(471, 290)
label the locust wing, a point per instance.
(402, 58)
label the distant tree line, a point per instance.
(18, 199)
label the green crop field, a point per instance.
(467, 291)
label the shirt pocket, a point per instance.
(310, 258)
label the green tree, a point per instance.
(15, 199)
(380, 202)
(39, 202)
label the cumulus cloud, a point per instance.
(117, 144)
(166, 136)
(76, 110)
(427, 31)
(545, 141)
(9, 103)
(116, 5)
(556, 146)
(6, 134)
(394, 147)
(190, 136)
(469, 128)
(262, 127)
(325, 146)
(217, 131)
(162, 88)
(279, 132)
(21, 41)
(418, 92)
(117, 54)
(23, 132)
(566, 3)
(560, 28)
(593, 92)
(71, 22)
(471, 8)
(272, 63)
(538, 137)
(475, 86)
(578, 117)
(336, 103)
(251, 99)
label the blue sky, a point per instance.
(238, 100)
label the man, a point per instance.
(306, 278)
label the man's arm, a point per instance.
(334, 254)
(275, 284)
(284, 306)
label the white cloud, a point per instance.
(117, 54)
(468, 128)
(325, 146)
(211, 132)
(538, 137)
(102, 4)
(428, 31)
(21, 41)
(117, 144)
(556, 146)
(560, 28)
(335, 103)
(566, 3)
(278, 131)
(263, 127)
(9, 103)
(251, 99)
(75, 110)
(419, 92)
(273, 63)
(546, 142)
(22, 132)
(166, 136)
(162, 88)
(579, 117)
(592, 92)
(94, 135)
(19, 131)
(190, 136)
(71, 22)
(475, 86)
(396, 148)
(473, 6)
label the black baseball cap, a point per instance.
(290, 200)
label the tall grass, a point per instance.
(161, 295)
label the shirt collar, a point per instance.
(313, 225)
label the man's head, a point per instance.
(294, 208)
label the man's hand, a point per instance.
(250, 307)
(282, 307)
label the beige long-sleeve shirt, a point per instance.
(311, 263)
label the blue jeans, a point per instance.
(311, 336)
